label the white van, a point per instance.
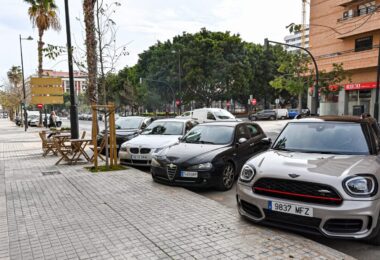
(212, 114)
(282, 113)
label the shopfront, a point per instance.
(360, 97)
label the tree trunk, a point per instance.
(88, 9)
(40, 47)
(299, 103)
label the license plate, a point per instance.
(189, 174)
(290, 208)
(139, 157)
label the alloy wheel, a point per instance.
(228, 176)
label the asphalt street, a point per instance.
(356, 249)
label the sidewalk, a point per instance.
(65, 212)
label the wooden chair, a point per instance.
(83, 135)
(47, 145)
(99, 149)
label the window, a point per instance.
(241, 132)
(253, 130)
(363, 44)
(210, 116)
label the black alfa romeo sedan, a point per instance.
(209, 155)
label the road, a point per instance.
(356, 249)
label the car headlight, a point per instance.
(201, 166)
(155, 163)
(247, 173)
(361, 185)
(123, 148)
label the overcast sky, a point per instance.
(142, 22)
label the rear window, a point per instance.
(323, 137)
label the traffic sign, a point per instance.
(253, 102)
(40, 106)
(277, 101)
(177, 102)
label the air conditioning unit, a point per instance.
(348, 14)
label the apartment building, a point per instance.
(348, 32)
(296, 39)
(80, 80)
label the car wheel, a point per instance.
(59, 124)
(253, 118)
(282, 117)
(227, 178)
(272, 118)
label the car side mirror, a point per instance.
(242, 140)
(266, 140)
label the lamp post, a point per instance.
(314, 108)
(179, 78)
(23, 81)
(73, 102)
(164, 82)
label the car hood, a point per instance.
(191, 153)
(281, 163)
(153, 141)
(125, 132)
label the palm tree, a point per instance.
(43, 15)
(89, 20)
(14, 76)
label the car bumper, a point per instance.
(127, 158)
(205, 179)
(330, 221)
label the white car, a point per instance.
(158, 135)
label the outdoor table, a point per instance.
(62, 149)
(78, 146)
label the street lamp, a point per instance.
(314, 108)
(179, 77)
(164, 82)
(23, 81)
(74, 123)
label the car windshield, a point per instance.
(164, 128)
(209, 134)
(223, 114)
(128, 123)
(323, 137)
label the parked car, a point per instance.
(321, 175)
(127, 128)
(209, 155)
(293, 113)
(58, 121)
(187, 114)
(212, 114)
(263, 114)
(33, 120)
(160, 134)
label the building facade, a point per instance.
(80, 80)
(296, 39)
(348, 32)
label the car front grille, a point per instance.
(294, 222)
(171, 170)
(297, 191)
(343, 225)
(134, 150)
(144, 150)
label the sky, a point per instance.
(141, 23)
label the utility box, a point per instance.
(358, 110)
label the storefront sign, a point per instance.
(359, 86)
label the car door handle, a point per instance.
(251, 144)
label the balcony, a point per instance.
(351, 60)
(346, 2)
(359, 22)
